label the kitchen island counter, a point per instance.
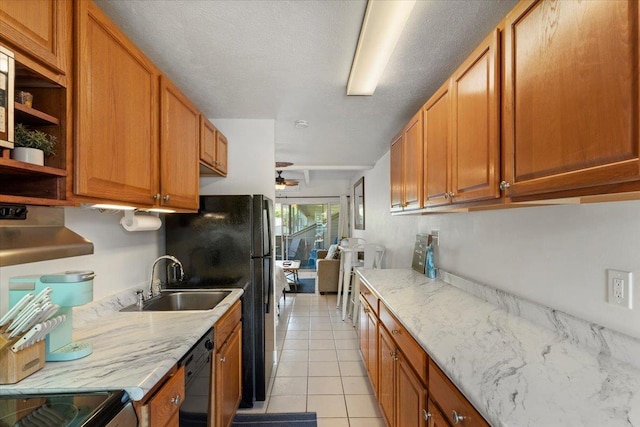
(132, 351)
(515, 370)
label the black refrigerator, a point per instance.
(229, 244)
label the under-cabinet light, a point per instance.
(383, 23)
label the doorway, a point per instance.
(302, 229)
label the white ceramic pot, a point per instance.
(28, 155)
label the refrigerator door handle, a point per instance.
(267, 220)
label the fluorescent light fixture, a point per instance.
(383, 23)
(107, 206)
(161, 210)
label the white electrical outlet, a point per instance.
(619, 288)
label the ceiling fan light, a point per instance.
(280, 186)
(382, 26)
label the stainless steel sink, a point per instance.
(181, 301)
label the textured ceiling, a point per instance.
(289, 60)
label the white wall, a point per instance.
(121, 259)
(251, 159)
(555, 255)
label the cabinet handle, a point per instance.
(166, 198)
(446, 196)
(452, 194)
(456, 418)
(366, 310)
(156, 196)
(426, 415)
(176, 400)
(395, 332)
(223, 359)
(504, 185)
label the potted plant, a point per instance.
(31, 146)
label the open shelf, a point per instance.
(34, 117)
(15, 167)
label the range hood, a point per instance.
(41, 236)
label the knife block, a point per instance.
(17, 366)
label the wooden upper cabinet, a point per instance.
(412, 164)
(179, 148)
(213, 149)
(406, 166)
(39, 28)
(571, 95)
(207, 142)
(116, 112)
(436, 115)
(221, 153)
(475, 132)
(397, 182)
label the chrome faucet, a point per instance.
(153, 267)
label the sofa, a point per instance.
(328, 271)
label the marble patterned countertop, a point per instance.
(132, 351)
(518, 363)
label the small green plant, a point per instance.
(25, 137)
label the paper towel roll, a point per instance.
(133, 222)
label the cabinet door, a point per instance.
(571, 95)
(475, 136)
(397, 184)
(363, 326)
(436, 115)
(179, 148)
(116, 141)
(411, 396)
(386, 385)
(436, 418)
(412, 164)
(207, 142)
(221, 153)
(40, 28)
(228, 374)
(372, 351)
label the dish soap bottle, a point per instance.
(430, 265)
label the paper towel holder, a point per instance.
(132, 221)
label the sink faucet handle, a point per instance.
(140, 296)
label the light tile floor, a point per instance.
(320, 368)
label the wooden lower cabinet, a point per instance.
(411, 390)
(162, 407)
(402, 395)
(369, 342)
(411, 395)
(227, 369)
(228, 378)
(435, 418)
(386, 386)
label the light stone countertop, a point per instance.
(514, 370)
(132, 351)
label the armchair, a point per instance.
(328, 271)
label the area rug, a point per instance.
(293, 419)
(303, 286)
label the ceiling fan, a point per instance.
(282, 183)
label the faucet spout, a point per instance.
(171, 258)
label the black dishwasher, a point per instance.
(194, 411)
